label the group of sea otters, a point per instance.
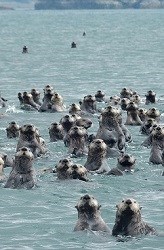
(109, 141)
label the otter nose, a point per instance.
(74, 167)
(98, 142)
(86, 197)
(24, 149)
(128, 202)
(158, 128)
(65, 161)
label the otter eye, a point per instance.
(122, 200)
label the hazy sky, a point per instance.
(18, 4)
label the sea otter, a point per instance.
(97, 151)
(36, 96)
(29, 137)
(76, 140)
(56, 132)
(57, 104)
(153, 113)
(22, 174)
(89, 216)
(100, 96)
(88, 104)
(77, 171)
(126, 93)
(150, 97)
(47, 104)
(12, 130)
(62, 167)
(129, 221)
(132, 115)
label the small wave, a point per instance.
(13, 109)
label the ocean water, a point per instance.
(122, 48)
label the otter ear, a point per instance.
(140, 208)
(77, 207)
(99, 207)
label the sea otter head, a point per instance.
(25, 152)
(99, 96)
(127, 208)
(126, 93)
(23, 160)
(56, 98)
(84, 122)
(88, 206)
(126, 162)
(67, 122)
(153, 113)
(158, 132)
(27, 97)
(150, 96)
(77, 171)
(77, 132)
(136, 98)
(62, 167)
(98, 145)
(28, 130)
(74, 108)
(56, 127)
(132, 106)
(12, 130)
(114, 100)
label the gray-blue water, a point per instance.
(123, 48)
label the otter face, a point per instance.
(56, 127)
(111, 112)
(126, 159)
(97, 145)
(99, 96)
(28, 129)
(74, 108)
(77, 131)
(158, 132)
(114, 100)
(12, 130)
(88, 104)
(126, 93)
(153, 113)
(67, 122)
(129, 206)
(62, 167)
(77, 171)
(84, 122)
(88, 206)
(132, 106)
(25, 152)
(48, 88)
(136, 99)
(56, 98)
(150, 97)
